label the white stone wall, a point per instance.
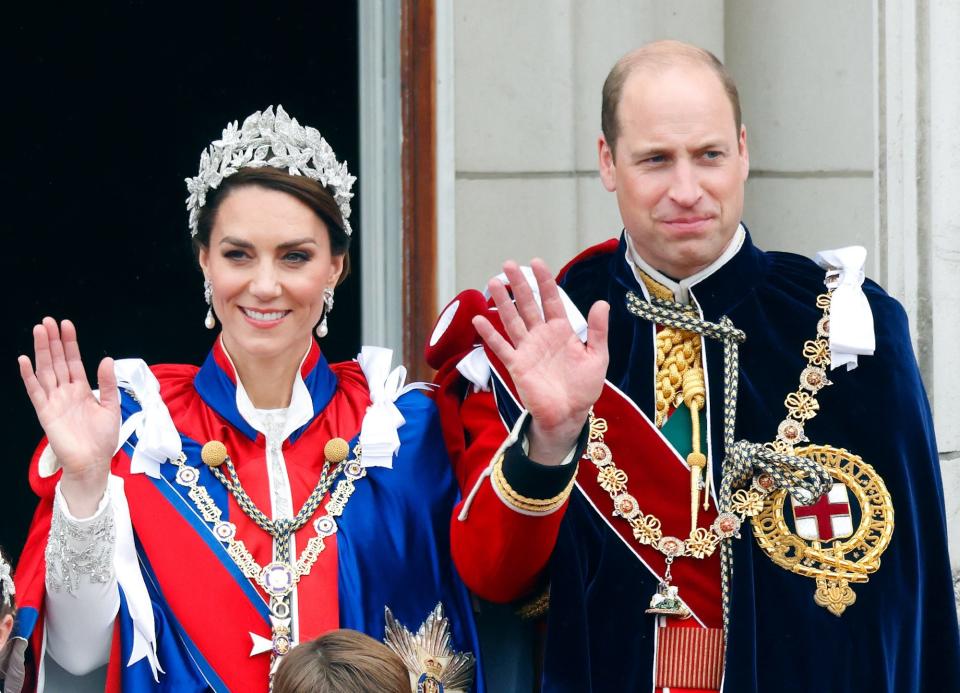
(943, 362)
(853, 123)
(805, 74)
(527, 78)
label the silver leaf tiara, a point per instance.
(7, 588)
(270, 140)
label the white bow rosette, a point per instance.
(851, 319)
(379, 438)
(157, 437)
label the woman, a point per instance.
(196, 523)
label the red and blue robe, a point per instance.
(391, 548)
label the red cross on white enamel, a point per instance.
(831, 514)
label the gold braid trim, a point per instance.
(656, 288)
(535, 607)
(540, 506)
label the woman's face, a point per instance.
(269, 261)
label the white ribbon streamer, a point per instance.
(851, 319)
(378, 432)
(130, 579)
(157, 437)
(475, 367)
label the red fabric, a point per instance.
(605, 248)
(691, 655)
(114, 683)
(458, 337)
(318, 602)
(499, 552)
(30, 578)
(656, 478)
(191, 577)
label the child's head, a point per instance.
(341, 660)
(7, 605)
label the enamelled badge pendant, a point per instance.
(826, 541)
(666, 601)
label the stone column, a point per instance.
(918, 223)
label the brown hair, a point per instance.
(660, 54)
(307, 190)
(341, 660)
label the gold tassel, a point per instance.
(694, 396)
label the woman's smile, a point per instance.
(264, 319)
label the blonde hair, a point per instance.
(341, 660)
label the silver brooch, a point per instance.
(433, 665)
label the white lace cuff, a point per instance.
(79, 549)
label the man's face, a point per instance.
(679, 169)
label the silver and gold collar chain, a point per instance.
(743, 461)
(279, 577)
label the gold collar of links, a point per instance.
(842, 560)
(835, 564)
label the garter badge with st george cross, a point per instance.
(825, 543)
(827, 519)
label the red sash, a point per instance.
(660, 481)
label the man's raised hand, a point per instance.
(558, 377)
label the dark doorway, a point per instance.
(107, 109)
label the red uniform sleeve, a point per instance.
(505, 527)
(501, 552)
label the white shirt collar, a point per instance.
(298, 413)
(681, 289)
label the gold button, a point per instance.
(336, 450)
(213, 453)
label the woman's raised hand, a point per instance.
(81, 431)
(557, 376)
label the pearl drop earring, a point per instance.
(210, 322)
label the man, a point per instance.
(699, 544)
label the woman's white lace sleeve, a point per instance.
(82, 594)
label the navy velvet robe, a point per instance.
(901, 634)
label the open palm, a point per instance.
(81, 431)
(558, 377)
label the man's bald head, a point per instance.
(659, 55)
